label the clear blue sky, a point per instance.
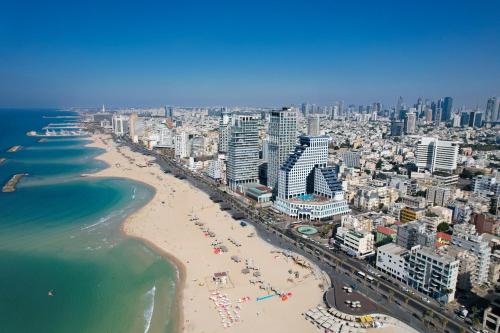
(66, 53)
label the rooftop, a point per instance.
(386, 230)
(393, 249)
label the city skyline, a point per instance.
(267, 54)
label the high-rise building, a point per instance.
(456, 119)
(464, 119)
(476, 119)
(181, 145)
(313, 128)
(243, 151)
(446, 109)
(399, 107)
(410, 122)
(307, 188)
(397, 127)
(282, 140)
(169, 112)
(428, 114)
(492, 109)
(224, 131)
(305, 108)
(437, 155)
(131, 125)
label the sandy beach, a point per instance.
(171, 222)
(180, 220)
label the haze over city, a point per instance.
(259, 53)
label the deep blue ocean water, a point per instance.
(60, 232)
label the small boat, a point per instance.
(52, 292)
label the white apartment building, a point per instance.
(486, 185)
(433, 274)
(359, 244)
(438, 195)
(224, 130)
(437, 155)
(392, 260)
(465, 237)
(214, 169)
(243, 151)
(181, 145)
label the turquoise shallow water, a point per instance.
(61, 232)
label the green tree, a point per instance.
(379, 164)
(443, 227)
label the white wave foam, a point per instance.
(101, 220)
(148, 312)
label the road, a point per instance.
(408, 308)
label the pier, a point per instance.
(14, 149)
(10, 186)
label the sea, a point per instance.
(65, 266)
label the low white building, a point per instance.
(359, 244)
(214, 169)
(392, 260)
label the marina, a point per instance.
(13, 149)
(10, 186)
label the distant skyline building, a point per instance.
(410, 122)
(399, 107)
(169, 112)
(243, 151)
(476, 119)
(313, 127)
(437, 155)
(446, 107)
(397, 127)
(282, 133)
(464, 119)
(492, 113)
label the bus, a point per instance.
(361, 274)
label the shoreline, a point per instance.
(144, 225)
(174, 261)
